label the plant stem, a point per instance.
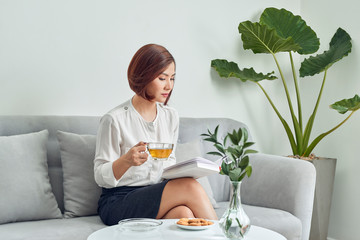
(320, 93)
(285, 124)
(240, 227)
(321, 136)
(297, 91)
(297, 130)
(234, 200)
(311, 120)
(285, 86)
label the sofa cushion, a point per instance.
(25, 188)
(54, 229)
(274, 219)
(188, 150)
(81, 193)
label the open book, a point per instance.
(195, 167)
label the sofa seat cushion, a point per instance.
(274, 219)
(55, 229)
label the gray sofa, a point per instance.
(279, 194)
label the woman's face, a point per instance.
(161, 86)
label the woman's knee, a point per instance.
(184, 191)
(184, 211)
(188, 184)
(180, 212)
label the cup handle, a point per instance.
(148, 152)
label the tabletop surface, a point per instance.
(169, 230)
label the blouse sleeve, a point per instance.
(107, 151)
(172, 159)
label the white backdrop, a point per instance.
(71, 57)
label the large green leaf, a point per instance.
(262, 39)
(287, 25)
(230, 69)
(351, 104)
(340, 46)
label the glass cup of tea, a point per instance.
(159, 151)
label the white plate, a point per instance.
(194, 228)
(139, 224)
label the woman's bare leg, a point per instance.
(185, 192)
(178, 211)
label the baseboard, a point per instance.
(331, 238)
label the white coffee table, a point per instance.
(169, 231)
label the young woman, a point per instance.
(130, 180)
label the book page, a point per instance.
(191, 161)
(196, 168)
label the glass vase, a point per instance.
(235, 223)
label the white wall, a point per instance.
(71, 57)
(343, 82)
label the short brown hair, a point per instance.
(146, 65)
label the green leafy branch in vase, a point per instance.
(235, 157)
(279, 31)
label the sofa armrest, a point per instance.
(282, 183)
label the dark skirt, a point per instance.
(125, 202)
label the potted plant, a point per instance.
(235, 163)
(280, 31)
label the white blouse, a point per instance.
(121, 129)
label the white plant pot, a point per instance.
(325, 175)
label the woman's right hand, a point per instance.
(137, 155)
(134, 157)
